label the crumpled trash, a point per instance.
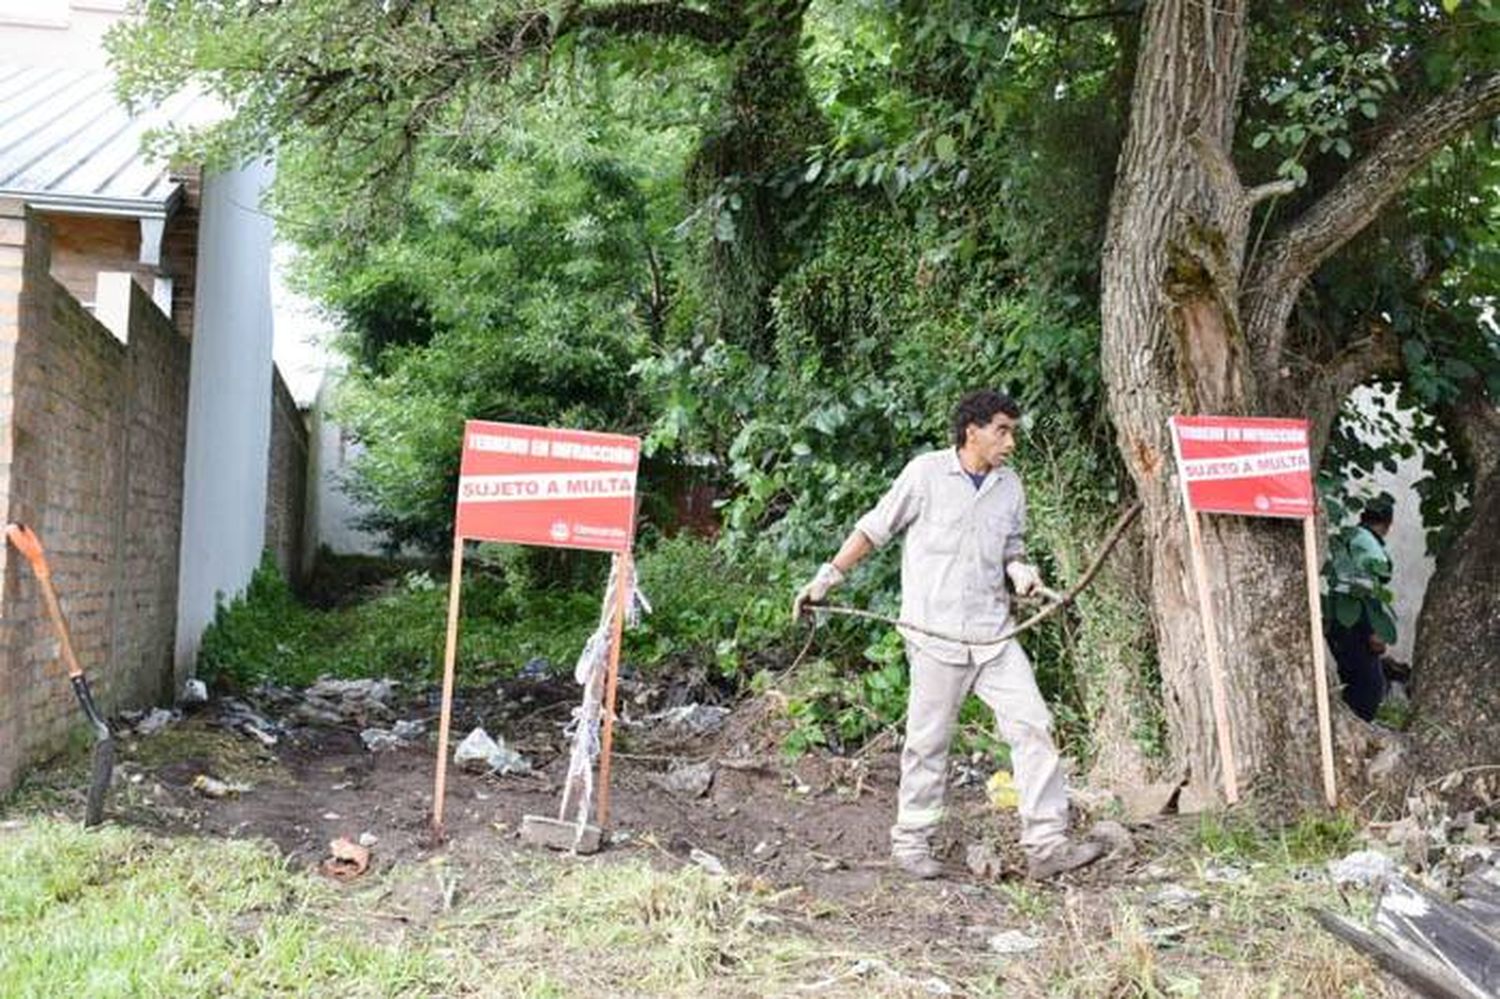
(403, 733)
(1174, 897)
(1008, 942)
(691, 719)
(194, 691)
(1362, 867)
(478, 751)
(380, 740)
(347, 859)
(1001, 790)
(708, 862)
(212, 787)
(690, 779)
(241, 717)
(333, 702)
(151, 722)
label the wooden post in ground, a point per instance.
(623, 585)
(1215, 660)
(450, 655)
(1320, 663)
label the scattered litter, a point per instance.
(380, 740)
(331, 816)
(154, 721)
(195, 692)
(334, 702)
(368, 839)
(1001, 790)
(212, 787)
(398, 736)
(708, 862)
(690, 779)
(479, 752)
(1008, 942)
(764, 850)
(983, 861)
(241, 717)
(348, 860)
(690, 720)
(937, 987)
(1150, 873)
(1173, 897)
(1226, 874)
(1364, 868)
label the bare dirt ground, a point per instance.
(809, 834)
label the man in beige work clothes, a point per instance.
(964, 514)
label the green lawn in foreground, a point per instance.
(117, 913)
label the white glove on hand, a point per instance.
(827, 577)
(1025, 578)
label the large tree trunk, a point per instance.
(767, 122)
(1456, 666)
(1186, 332)
(1173, 343)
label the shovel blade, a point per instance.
(100, 773)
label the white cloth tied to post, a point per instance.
(590, 674)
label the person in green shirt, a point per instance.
(1360, 625)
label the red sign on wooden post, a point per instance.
(540, 486)
(1253, 466)
(1256, 467)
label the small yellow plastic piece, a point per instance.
(1001, 789)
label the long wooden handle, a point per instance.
(26, 542)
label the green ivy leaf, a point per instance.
(945, 148)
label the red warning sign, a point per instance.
(1247, 465)
(542, 486)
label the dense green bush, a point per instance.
(267, 634)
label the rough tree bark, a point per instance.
(1456, 668)
(1186, 332)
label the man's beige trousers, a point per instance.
(1006, 684)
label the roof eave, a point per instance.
(85, 204)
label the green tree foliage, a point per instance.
(521, 284)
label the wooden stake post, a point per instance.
(450, 656)
(549, 487)
(1215, 661)
(1320, 662)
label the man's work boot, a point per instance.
(922, 866)
(1068, 857)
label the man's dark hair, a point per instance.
(980, 408)
(1381, 510)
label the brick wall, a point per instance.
(286, 481)
(91, 451)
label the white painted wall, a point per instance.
(331, 511)
(229, 404)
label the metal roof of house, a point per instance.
(67, 145)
